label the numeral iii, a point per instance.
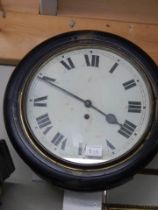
(134, 106)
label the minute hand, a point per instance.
(110, 118)
(50, 82)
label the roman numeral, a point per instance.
(129, 84)
(43, 121)
(47, 130)
(93, 61)
(59, 139)
(134, 106)
(111, 146)
(41, 101)
(81, 148)
(68, 64)
(113, 68)
(127, 129)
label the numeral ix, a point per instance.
(41, 101)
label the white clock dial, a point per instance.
(88, 105)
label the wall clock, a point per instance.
(81, 110)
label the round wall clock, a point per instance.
(81, 110)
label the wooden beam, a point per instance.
(144, 11)
(27, 6)
(20, 32)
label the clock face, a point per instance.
(80, 109)
(88, 105)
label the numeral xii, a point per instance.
(92, 60)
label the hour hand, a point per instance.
(110, 118)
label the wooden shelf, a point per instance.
(20, 32)
(140, 11)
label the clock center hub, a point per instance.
(88, 103)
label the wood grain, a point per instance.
(142, 11)
(26, 6)
(20, 32)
